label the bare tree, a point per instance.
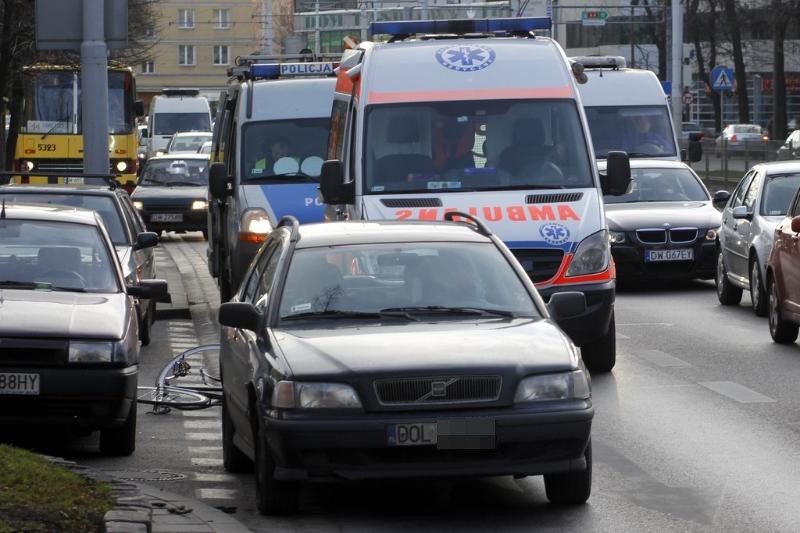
(782, 12)
(701, 18)
(733, 21)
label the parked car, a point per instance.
(790, 148)
(741, 137)
(758, 204)
(687, 128)
(171, 193)
(132, 242)
(385, 349)
(666, 226)
(783, 277)
(69, 351)
(187, 142)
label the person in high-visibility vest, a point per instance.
(277, 149)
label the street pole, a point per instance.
(677, 62)
(633, 61)
(94, 89)
(425, 10)
(317, 45)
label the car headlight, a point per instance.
(121, 166)
(712, 234)
(138, 205)
(299, 395)
(159, 152)
(91, 352)
(26, 166)
(591, 256)
(255, 226)
(564, 386)
(199, 204)
(616, 237)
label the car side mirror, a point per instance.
(332, 186)
(149, 289)
(565, 305)
(218, 180)
(695, 150)
(740, 213)
(617, 180)
(796, 224)
(138, 106)
(241, 315)
(145, 239)
(721, 197)
(145, 133)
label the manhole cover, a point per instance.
(146, 475)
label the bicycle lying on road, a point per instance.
(168, 393)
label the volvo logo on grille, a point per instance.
(438, 389)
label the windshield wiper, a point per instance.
(58, 288)
(451, 310)
(183, 183)
(11, 284)
(154, 182)
(57, 124)
(521, 187)
(338, 313)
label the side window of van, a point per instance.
(231, 151)
(221, 146)
(352, 134)
(336, 136)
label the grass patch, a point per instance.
(37, 495)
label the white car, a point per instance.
(741, 137)
(188, 141)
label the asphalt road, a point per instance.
(696, 429)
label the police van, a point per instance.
(483, 117)
(628, 110)
(173, 111)
(268, 146)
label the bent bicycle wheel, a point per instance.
(172, 397)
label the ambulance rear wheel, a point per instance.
(601, 355)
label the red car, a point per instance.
(783, 277)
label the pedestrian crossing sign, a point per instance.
(722, 79)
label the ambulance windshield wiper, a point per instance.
(521, 187)
(283, 178)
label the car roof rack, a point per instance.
(71, 178)
(477, 223)
(472, 28)
(609, 62)
(185, 91)
(289, 220)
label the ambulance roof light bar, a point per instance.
(612, 62)
(511, 26)
(273, 71)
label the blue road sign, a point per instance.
(722, 79)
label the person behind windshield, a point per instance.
(277, 149)
(452, 144)
(642, 133)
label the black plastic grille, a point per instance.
(553, 198)
(32, 352)
(652, 236)
(438, 389)
(541, 265)
(411, 202)
(683, 235)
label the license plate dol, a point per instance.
(17, 383)
(656, 256)
(420, 434)
(459, 434)
(166, 217)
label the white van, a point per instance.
(628, 110)
(490, 124)
(172, 111)
(267, 151)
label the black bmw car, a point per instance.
(666, 227)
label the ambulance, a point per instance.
(268, 147)
(484, 117)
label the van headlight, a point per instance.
(616, 237)
(300, 395)
(198, 205)
(591, 256)
(255, 226)
(91, 352)
(138, 204)
(563, 386)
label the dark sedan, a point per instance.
(666, 226)
(172, 191)
(393, 349)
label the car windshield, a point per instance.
(661, 185)
(408, 278)
(187, 143)
(282, 149)
(778, 193)
(746, 128)
(641, 131)
(170, 123)
(175, 172)
(105, 206)
(58, 256)
(475, 145)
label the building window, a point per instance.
(148, 67)
(186, 18)
(222, 19)
(221, 56)
(186, 55)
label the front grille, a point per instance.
(440, 389)
(553, 198)
(541, 265)
(32, 352)
(52, 408)
(652, 236)
(67, 165)
(168, 207)
(683, 234)
(411, 202)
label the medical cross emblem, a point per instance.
(465, 58)
(554, 233)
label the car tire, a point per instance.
(273, 497)
(233, 459)
(782, 331)
(758, 295)
(727, 292)
(570, 488)
(120, 441)
(146, 326)
(601, 355)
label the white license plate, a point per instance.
(166, 217)
(420, 434)
(17, 383)
(657, 256)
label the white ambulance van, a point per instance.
(483, 117)
(628, 110)
(268, 147)
(173, 111)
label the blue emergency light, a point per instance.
(272, 71)
(462, 26)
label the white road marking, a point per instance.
(214, 478)
(667, 324)
(204, 436)
(206, 461)
(204, 449)
(623, 337)
(662, 359)
(202, 413)
(216, 494)
(202, 424)
(737, 392)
